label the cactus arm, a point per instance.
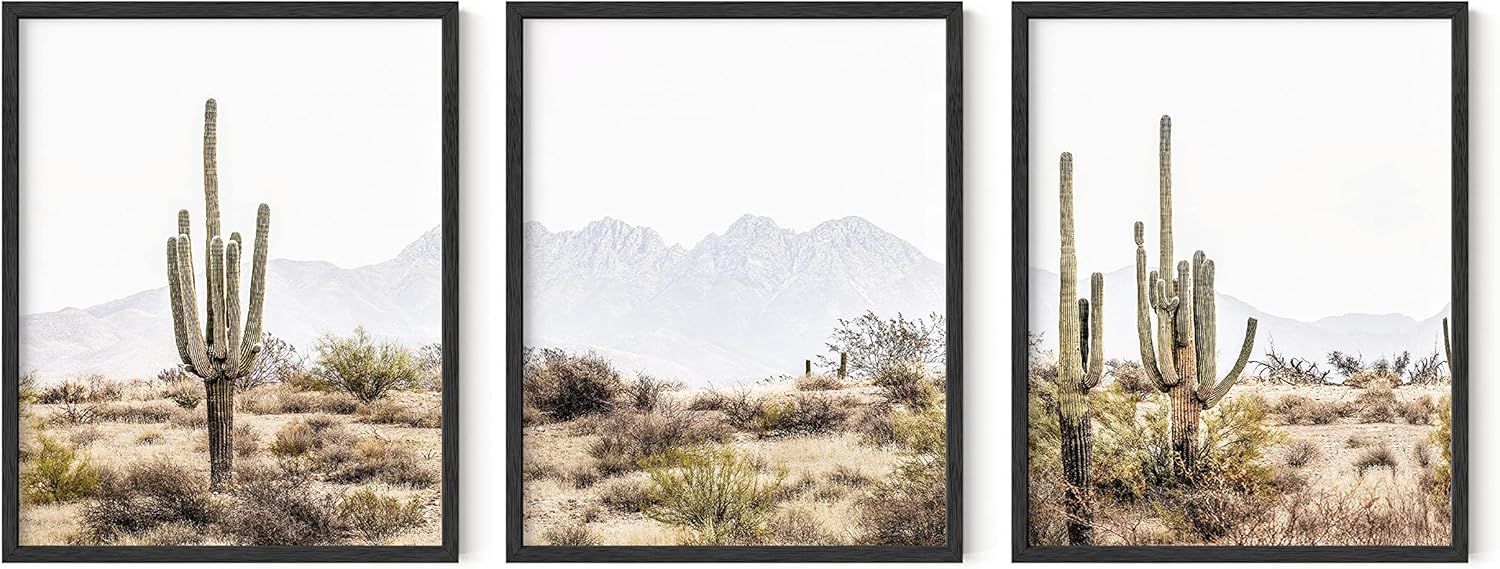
(197, 350)
(174, 296)
(1163, 377)
(211, 218)
(232, 302)
(1069, 332)
(1096, 323)
(1222, 388)
(1164, 194)
(1182, 335)
(1083, 333)
(215, 293)
(250, 342)
(1205, 327)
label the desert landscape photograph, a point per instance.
(733, 337)
(1239, 317)
(230, 336)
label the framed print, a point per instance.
(1308, 403)
(734, 293)
(230, 281)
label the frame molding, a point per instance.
(10, 15)
(1021, 15)
(516, 15)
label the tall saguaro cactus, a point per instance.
(1076, 372)
(1182, 362)
(218, 352)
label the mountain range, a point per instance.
(753, 301)
(399, 299)
(1373, 335)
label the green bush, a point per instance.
(567, 386)
(54, 472)
(571, 536)
(719, 497)
(358, 366)
(911, 508)
(184, 394)
(627, 438)
(376, 517)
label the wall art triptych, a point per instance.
(734, 282)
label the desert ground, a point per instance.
(1358, 463)
(812, 460)
(125, 462)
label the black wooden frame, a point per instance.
(517, 13)
(1021, 16)
(447, 13)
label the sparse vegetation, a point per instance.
(54, 472)
(567, 386)
(1375, 457)
(719, 497)
(376, 517)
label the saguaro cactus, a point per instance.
(1076, 372)
(219, 352)
(843, 365)
(1186, 336)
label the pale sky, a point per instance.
(685, 125)
(336, 124)
(1311, 159)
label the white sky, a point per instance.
(684, 126)
(1310, 158)
(334, 123)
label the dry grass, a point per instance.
(153, 459)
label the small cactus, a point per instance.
(218, 351)
(1079, 337)
(843, 365)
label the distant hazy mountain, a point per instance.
(1373, 335)
(753, 301)
(399, 299)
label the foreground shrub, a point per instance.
(365, 370)
(627, 438)
(184, 393)
(627, 495)
(374, 459)
(376, 517)
(1442, 437)
(54, 472)
(283, 510)
(1375, 457)
(571, 536)
(147, 495)
(719, 497)
(794, 526)
(246, 440)
(567, 386)
(873, 423)
(911, 508)
(1300, 453)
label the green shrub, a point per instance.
(376, 517)
(872, 342)
(365, 370)
(1442, 437)
(719, 497)
(567, 386)
(910, 509)
(54, 472)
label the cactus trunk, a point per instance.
(220, 404)
(218, 352)
(1183, 360)
(843, 364)
(1079, 336)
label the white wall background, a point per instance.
(987, 282)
